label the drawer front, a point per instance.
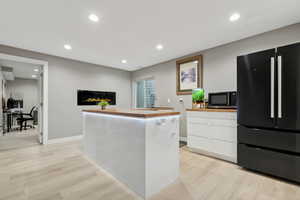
(214, 146)
(198, 120)
(213, 132)
(212, 115)
(199, 129)
(225, 130)
(227, 134)
(224, 148)
(200, 143)
(213, 122)
(280, 140)
(269, 162)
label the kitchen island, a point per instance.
(140, 148)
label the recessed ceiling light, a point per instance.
(234, 17)
(33, 76)
(68, 47)
(159, 47)
(124, 61)
(94, 18)
(36, 70)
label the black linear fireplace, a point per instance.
(87, 97)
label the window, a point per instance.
(145, 93)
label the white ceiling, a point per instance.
(21, 70)
(131, 29)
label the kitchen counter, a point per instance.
(156, 108)
(212, 110)
(213, 132)
(140, 148)
(141, 113)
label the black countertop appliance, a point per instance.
(222, 100)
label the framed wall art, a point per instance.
(189, 74)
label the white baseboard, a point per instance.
(65, 139)
(183, 139)
(79, 137)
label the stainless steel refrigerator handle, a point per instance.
(279, 86)
(272, 85)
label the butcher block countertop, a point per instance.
(211, 110)
(156, 108)
(135, 113)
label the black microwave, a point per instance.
(222, 100)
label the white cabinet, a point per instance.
(213, 133)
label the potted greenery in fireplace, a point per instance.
(103, 103)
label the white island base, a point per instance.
(141, 152)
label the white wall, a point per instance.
(65, 78)
(219, 67)
(26, 89)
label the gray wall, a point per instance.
(65, 77)
(26, 89)
(219, 67)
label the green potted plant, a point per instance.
(198, 97)
(103, 103)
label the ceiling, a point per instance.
(21, 70)
(131, 29)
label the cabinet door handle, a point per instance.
(279, 86)
(272, 86)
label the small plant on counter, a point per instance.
(198, 98)
(198, 95)
(103, 104)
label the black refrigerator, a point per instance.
(268, 89)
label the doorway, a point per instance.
(23, 104)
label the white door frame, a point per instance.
(44, 65)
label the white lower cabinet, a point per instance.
(213, 134)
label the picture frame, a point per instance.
(189, 74)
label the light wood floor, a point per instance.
(19, 139)
(60, 172)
